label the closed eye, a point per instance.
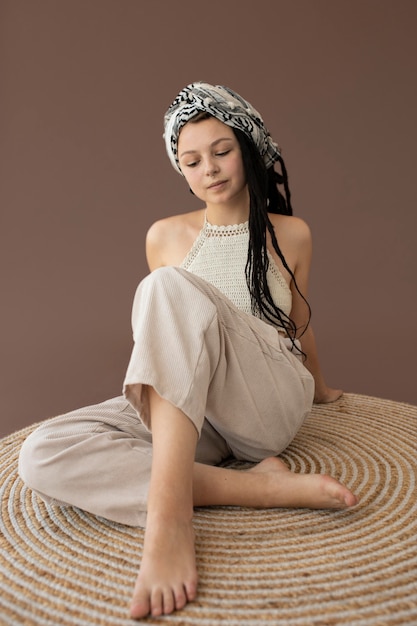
(217, 154)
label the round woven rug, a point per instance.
(62, 566)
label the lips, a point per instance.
(218, 183)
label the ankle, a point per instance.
(165, 516)
(268, 490)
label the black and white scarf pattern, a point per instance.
(226, 106)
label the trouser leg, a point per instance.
(99, 459)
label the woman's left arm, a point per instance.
(299, 313)
(322, 393)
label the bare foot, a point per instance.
(312, 491)
(167, 577)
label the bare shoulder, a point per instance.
(289, 226)
(160, 231)
(169, 229)
(169, 239)
(294, 239)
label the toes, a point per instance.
(156, 602)
(180, 597)
(191, 591)
(350, 499)
(140, 605)
(340, 495)
(161, 600)
(168, 602)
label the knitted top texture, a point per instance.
(219, 256)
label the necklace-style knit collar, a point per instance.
(228, 230)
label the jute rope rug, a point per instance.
(283, 567)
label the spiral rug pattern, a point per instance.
(61, 566)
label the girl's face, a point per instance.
(211, 161)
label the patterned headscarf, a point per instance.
(226, 106)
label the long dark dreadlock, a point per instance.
(265, 197)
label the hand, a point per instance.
(327, 395)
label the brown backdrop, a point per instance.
(84, 85)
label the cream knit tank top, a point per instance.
(219, 256)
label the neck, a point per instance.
(228, 214)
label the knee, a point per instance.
(164, 289)
(33, 465)
(162, 276)
(161, 283)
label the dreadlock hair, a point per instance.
(265, 196)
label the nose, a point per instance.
(211, 167)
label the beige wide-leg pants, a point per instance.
(232, 374)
